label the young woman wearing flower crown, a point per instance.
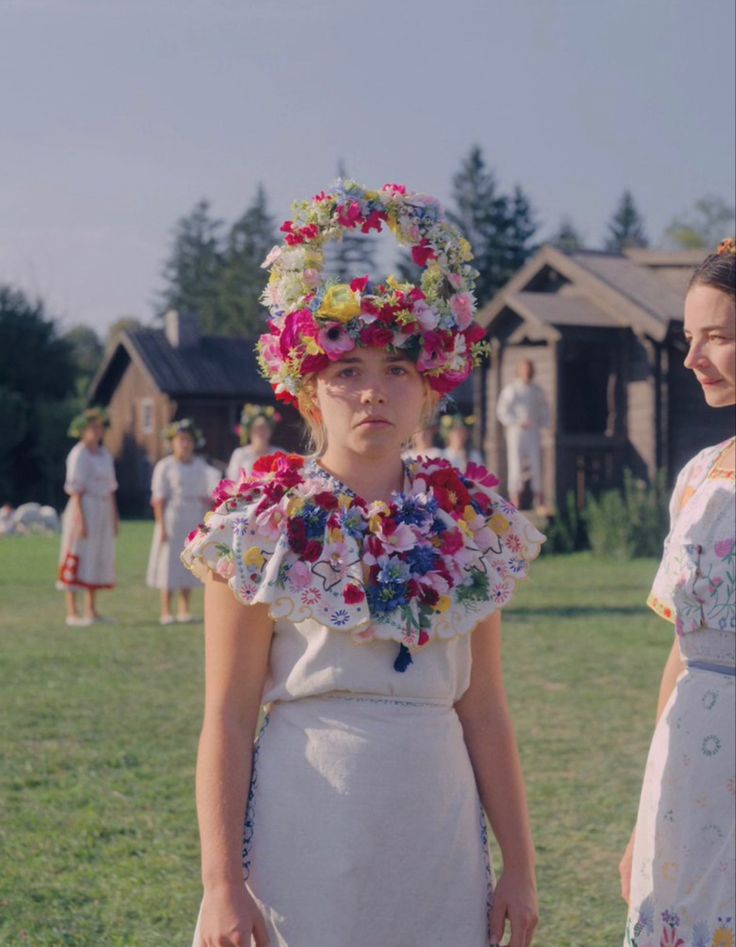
(455, 432)
(90, 520)
(257, 423)
(678, 874)
(356, 597)
(180, 495)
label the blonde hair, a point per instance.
(312, 416)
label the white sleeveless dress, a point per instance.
(364, 826)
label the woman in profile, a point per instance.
(677, 874)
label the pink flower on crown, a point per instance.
(335, 341)
(273, 254)
(428, 317)
(462, 307)
(297, 326)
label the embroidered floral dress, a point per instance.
(683, 884)
(364, 825)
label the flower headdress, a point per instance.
(450, 421)
(315, 320)
(727, 246)
(250, 414)
(184, 426)
(79, 423)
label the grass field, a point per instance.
(99, 730)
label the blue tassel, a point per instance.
(403, 659)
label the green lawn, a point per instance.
(99, 844)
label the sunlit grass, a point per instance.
(99, 735)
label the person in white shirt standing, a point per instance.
(523, 411)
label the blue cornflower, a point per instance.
(422, 559)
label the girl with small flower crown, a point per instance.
(678, 874)
(90, 520)
(257, 423)
(355, 597)
(180, 491)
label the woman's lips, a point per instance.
(710, 382)
(373, 422)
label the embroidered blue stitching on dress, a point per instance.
(249, 821)
(489, 869)
(384, 700)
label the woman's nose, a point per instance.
(373, 394)
(695, 356)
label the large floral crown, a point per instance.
(316, 320)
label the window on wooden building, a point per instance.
(147, 416)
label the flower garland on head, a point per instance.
(250, 414)
(450, 421)
(79, 423)
(184, 426)
(315, 320)
(727, 246)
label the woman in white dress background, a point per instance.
(180, 496)
(455, 430)
(90, 520)
(257, 424)
(678, 874)
(357, 597)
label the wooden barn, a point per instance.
(151, 377)
(605, 334)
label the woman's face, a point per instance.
(183, 446)
(457, 437)
(260, 433)
(93, 434)
(370, 401)
(710, 332)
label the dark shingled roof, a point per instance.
(215, 366)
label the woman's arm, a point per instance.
(489, 736)
(672, 670)
(237, 643)
(158, 514)
(115, 512)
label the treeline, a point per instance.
(214, 269)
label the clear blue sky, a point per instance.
(117, 115)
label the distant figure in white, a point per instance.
(180, 492)
(257, 423)
(423, 444)
(523, 411)
(455, 431)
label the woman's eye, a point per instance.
(397, 370)
(347, 373)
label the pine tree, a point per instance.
(193, 271)
(567, 238)
(354, 255)
(626, 227)
(242, 279)
(499, 226)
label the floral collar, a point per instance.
(430, 563)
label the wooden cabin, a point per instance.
(151, 377)
(605, 334)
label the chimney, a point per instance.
(181, 329)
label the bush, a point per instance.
(629, 523)
(566, 532)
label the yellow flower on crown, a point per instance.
(340, 303)
(466, 251)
